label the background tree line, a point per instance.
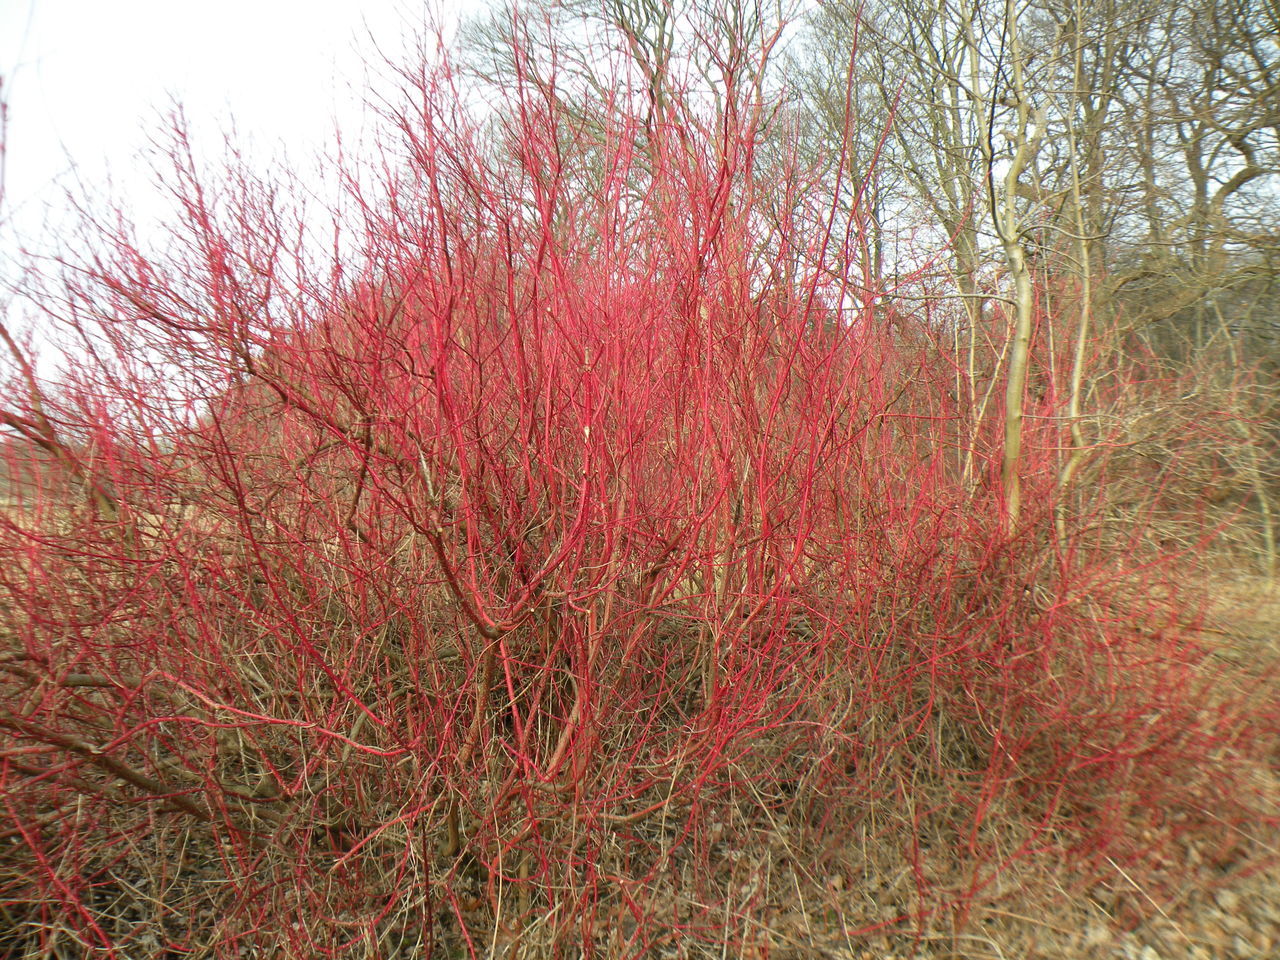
(1114, 166)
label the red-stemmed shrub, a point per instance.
(531, 571)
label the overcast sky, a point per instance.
(88, 80)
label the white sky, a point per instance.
(88, 80)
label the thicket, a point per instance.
(591, 554)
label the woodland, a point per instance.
(716, 478)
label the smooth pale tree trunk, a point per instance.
(1028, 127)
(1016, 385)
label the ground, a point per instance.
(1219, 913)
